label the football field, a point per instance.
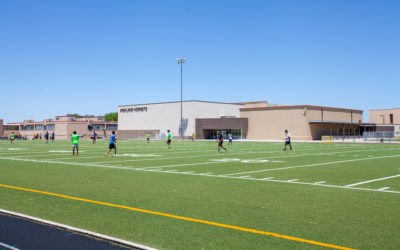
(254, 196)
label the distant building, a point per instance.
(62, 126)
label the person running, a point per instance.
(53, 136)
(193, 137)
(287, 140)
(112, 144)
(75, 142)
(12, 137)
(169, 139)
(230, 139)
(94, 136)
(148, 138)
(46, 137)
(220, 141)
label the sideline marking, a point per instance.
(380, 179)
(184, 218)
(74, 229)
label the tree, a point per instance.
(76, 115)
(113, 116)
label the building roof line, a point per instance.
(382, 109)
(298, 106)
(249, 102)
(178, 102)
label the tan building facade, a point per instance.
(385, 116)
(62, 127)
(304, 122)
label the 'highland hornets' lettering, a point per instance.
(137, 109)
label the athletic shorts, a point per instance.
(75, 145)
(230, 140)
(287, 142)
(168, 141)
(220, 143)
(111, 146)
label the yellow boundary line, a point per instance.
(185, 218)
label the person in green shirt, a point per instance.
(12, 137)
(148, 138)
(169, 139)
(75, 142)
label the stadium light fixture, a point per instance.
(181, 61)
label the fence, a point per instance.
(381, 136)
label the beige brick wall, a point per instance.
(382, 116)
(270, 123)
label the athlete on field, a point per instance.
(220, 141)
(112, 145)
(75, 142)
(287, 140)
(169, 139)
(12, 137)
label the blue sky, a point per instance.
(88, 57)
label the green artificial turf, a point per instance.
(254, 185)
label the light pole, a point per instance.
(181, 61)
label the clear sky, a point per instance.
(88, 57)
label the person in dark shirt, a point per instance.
(46, 137)
(94, 136)
(220, 141)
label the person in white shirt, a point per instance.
(287, 140)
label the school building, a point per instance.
(62, 126)
(244, 120)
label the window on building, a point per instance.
(29, 127)
(112, 127)
(391, 118)
(50, 127)
(98, 126)
(39, 127)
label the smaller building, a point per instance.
(62, 126)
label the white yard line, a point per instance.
(269, 179)
(313, 165)
(380, 179)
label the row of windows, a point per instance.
(39, 127)
(101, 127)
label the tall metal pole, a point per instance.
(180, 61)
(181, 106)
